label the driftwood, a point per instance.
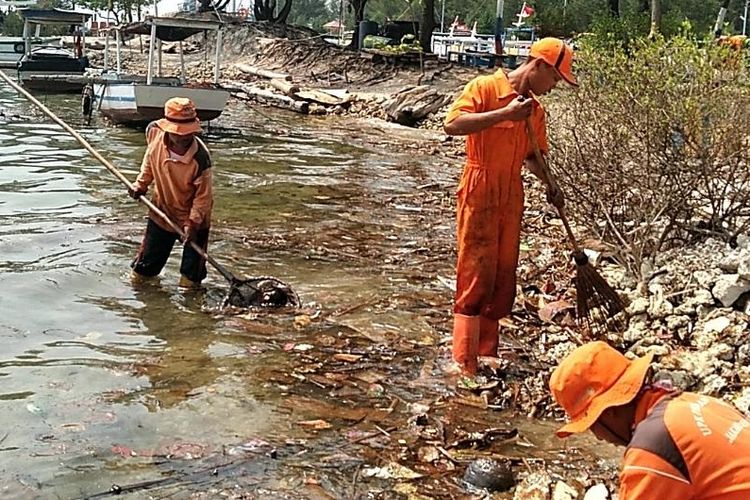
(412, 104)
(321, 97)
(285, 86)
(273, 99)
(252, 70)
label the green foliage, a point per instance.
(12, 25)
(652, 147)
(311, 13)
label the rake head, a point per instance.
(260, 291)
(598, 305)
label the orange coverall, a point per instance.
(490, 208)
(686, 447)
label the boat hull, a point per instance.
(132, 103)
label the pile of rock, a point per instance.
(693, 313)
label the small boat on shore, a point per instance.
(12, 48)
(137, 99)
(53, 69)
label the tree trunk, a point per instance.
(614, 7)
(428, 25)
(655, 18)
(358, 6)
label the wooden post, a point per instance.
(183, 76)
(106, 51)
(218, 55)
(119, 61)
(152, 42)
(159, 57)
(26, 42)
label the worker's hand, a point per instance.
(135, 193)
(555, 196)
(190, 233)
(518, 109)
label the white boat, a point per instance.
(12, 48)
(53, 69)
(136, 99)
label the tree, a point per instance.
(358, 7)
(311, 13)
(655, 19)
(210, 5)
(614, 7)
(428, 25)
(265, 10)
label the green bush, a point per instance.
(12, 25)
(653, 149)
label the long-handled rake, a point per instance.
(598, 305)
(259, 291)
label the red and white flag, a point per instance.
(526, 11)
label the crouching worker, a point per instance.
(678, 445)
(179, 166)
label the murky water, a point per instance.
(97, 378)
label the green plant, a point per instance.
(654, 147)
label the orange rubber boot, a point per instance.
(488, 337)
(466, 342)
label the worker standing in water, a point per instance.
(179, 166)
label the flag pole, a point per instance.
(499, 27)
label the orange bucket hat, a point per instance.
(180, 117)
(557, 54)
(591, 379)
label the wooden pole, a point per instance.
(218, 55)
(119, 60)
(183, 76)
(159, 57)
(152, 42)
(26, 41)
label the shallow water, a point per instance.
(98, 377)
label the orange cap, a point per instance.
(591, 379)
(180, 117)
(557, 54)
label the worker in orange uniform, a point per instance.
(492, 112)
(680, 446)
(179, 166)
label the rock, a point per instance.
(743, 354)
(677, 321)
(705, 279)
(597, 492)
(535, 486)
(717, 325)
(713, 384)
(490, 474)
(721, 352)
(730, 263)
(729, 287)
(638, 306)
(742, 402)
(638, 328)
(744, 268)
(660, 307)
(563, 491)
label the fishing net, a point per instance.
(260, 291)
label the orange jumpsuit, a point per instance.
(490, 208)
(686, 447)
